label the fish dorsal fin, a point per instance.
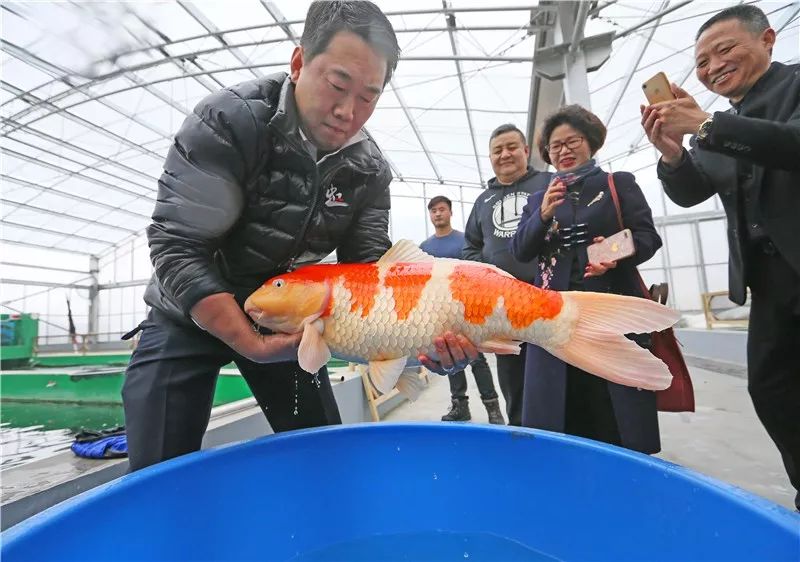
(405, 251)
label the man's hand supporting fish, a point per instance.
(390, 314)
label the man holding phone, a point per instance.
(748, 156)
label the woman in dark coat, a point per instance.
(556, 227)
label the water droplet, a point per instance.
(398, 448)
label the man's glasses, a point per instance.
(572, 144)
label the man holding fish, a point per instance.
(263, 177)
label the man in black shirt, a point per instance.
(750, 157)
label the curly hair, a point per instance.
(580, 119)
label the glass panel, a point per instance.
(681, 245)
(717, 276)
(685, 289)
(408, 219)
(714, 241)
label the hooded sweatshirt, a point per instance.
(494, 220)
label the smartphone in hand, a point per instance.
(657, 89)
(613, 248)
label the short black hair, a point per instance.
(754, 19)
(440, 199)
(325, 19)
(506, 128)
(580, 119)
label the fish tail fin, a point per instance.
(598, 344)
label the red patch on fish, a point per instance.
(362, 282)
(407, 281)
(476, 289)
(479, 290)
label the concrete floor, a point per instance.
(723, 438)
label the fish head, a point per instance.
(288, 302)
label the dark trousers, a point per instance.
(483, 378)
(511, 376)
(169, 390)
(773, 357)
(589, 411)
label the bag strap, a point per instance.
(615, 197)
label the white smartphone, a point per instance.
(613, 248)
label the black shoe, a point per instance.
(493, 409)
(459, 411)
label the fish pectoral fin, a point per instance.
(385, 374)
(410, 384)
(405, 251)
(313, 353)
(500, 347)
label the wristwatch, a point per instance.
(705, 129)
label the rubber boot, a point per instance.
(459, 411)
(493, 409)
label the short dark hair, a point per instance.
(506, 128)
(327, 18)
(580, 119)
(440, 199)
(754, 19)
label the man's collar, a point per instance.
(314, 151)
(759, 84)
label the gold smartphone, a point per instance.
(613, 248)
(657, 89)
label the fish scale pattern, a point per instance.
(410, 308)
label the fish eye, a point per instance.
(278, 283)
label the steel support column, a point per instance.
(94, 296)
(451, 30)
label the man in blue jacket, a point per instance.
(749, 156)
(490, 228)
(447, 242)
(263, 177)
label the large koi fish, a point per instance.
(389, 312)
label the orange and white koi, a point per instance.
(389, 312)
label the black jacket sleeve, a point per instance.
(368, 236)
(686, 184)
(638, 217)
(473, 236)
(200, 196)
(528, 242)
(771, 144)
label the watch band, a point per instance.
(705, 129)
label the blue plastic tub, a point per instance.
(411, 492)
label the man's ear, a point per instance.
(296, 63)
(768, 39)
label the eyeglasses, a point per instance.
(572, 144)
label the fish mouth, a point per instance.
(255, 314)
(279, 324)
